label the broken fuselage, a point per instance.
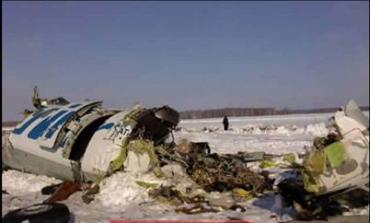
(78, 141)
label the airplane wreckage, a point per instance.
(83, 143)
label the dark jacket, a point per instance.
(225, 122)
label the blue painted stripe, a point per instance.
(55, 127)
(35, 116)
(39, 130)
(106, 126)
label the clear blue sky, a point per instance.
(188, 55)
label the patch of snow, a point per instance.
(121, 189)
(357, 211)
(7, 128)
(16, 182)
(318, 129)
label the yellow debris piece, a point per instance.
(240, 194)
(267, 164)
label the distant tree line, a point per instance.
(9, 123)
(214, 113)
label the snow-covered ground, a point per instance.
(121, 198)
(272, 134)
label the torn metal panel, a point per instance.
(347, 160)
(337, 165)
(353, 111)
(105, 145)
(110, 142)
(40, 103)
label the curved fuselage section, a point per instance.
(43, 142)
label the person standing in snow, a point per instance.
(225, 122)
